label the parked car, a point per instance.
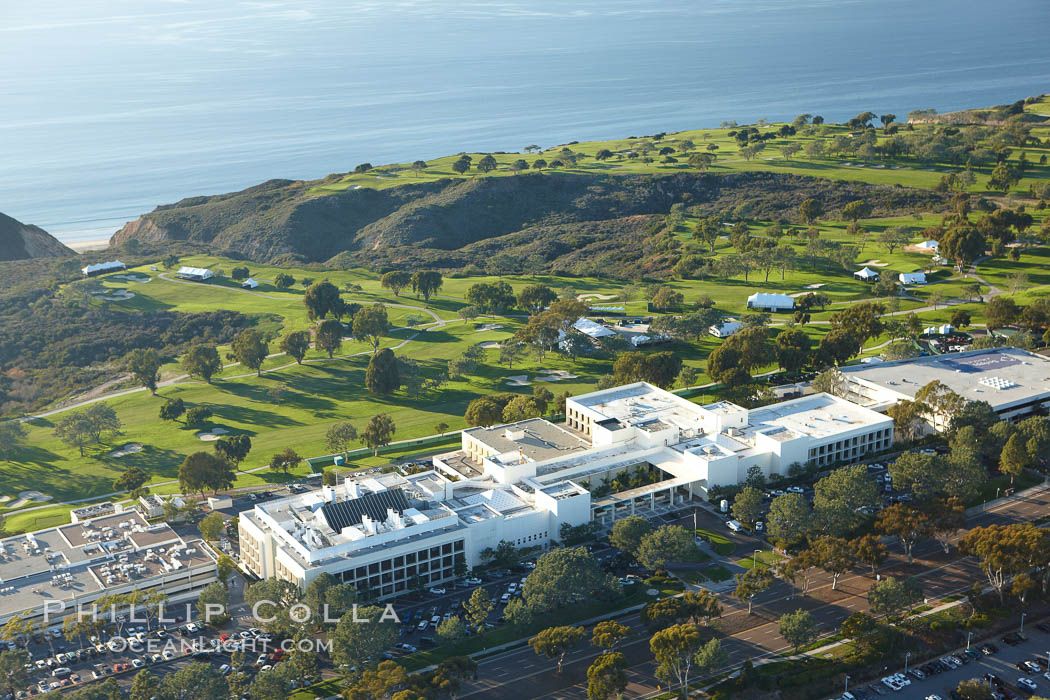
(472, 581)
(437, 591)
(1027, 685)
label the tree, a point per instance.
(144, 365)
(172, 409)
(195, 681)
(891, 596)
(908, 525)
(234, 449)
(296, 344)
(212, 525)
(947, 517)
(396, 281)
(378, 432)
(839, 345)
(283, 280)
(75, 430)
(751, 583)
(810, 210)
(285, 460)
(894, 237)
(664, 544)
(839, 496)
(202, 470)
(1014, 458)
(382, 376)
(321, 298)
(452, 628)
(250, 349)
(1003, 177)
(711, 657)
(556, 642)
(329, 336)
(536, 298)
(371, 324)
(627, 533)
(521, 408)
(798, 628)
(14, 677)
(856, 210)
(483, 411)
(674, 649)
(197, 416)
(793, 347)
(340, 437)
(608, 634)
(477, 608)
(834, 556)
(790, 519)
(931, 477)
(214, 594)
(202, 361)
(566, 576)
(144, 686)
(360, 644)
(747, 505)
(605, 676)
(461, 166)
(426, 283)
(131, 479)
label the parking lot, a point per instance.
(994, 661)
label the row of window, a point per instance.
(531, 539)
(851, 448)
(398, 574)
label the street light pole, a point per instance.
(847, 684)
(754, 559)
(906, 657)
(1022, 623)
(968, 635)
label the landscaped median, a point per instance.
(509, 635)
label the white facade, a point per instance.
(103, 268)
(201, 273)
(912, 278)
(523, 482)
(725, 329)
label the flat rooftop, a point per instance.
(816, 416)
(637, 403)
(999, 375)
(536, 438)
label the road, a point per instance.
(521, 674)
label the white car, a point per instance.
(265, 668)
(473, 581)
(947, 661)
(422, 625)
(1027, 684)
(902, 679)
(437, 591)
(1033, 666)
(261, 660)
(504, 598)
(934, 697)
(138, 663)
(891, 683)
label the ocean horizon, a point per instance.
(126, 105)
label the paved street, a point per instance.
(756, 635)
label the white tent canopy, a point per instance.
(929, 245)
(770, 302)
(866, 274)
(592, 329)
(201, 272)
(99, 268)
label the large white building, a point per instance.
(1014, 382)
(523, 482)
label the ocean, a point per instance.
(111, 107)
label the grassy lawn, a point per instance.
(717, 573)
(765, 557)
(719, 542)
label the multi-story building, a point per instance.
(522, 483)
(1014, 382)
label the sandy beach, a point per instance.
(85, 246)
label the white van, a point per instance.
(734, 525)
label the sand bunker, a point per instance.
(875, 263)
(518, 380)
(34, 496)
(601, 297)
(213, 434)
(130, 278)
(815, 285)
(489, 345)
(115, 295)
(555, 375)
(128, 449)
(490, 327)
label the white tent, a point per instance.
(103, 268)
(725, 329)
(929, 245)
(912, 278)
(200, 273)
(249, 283)
(770, 302)
(867, 275)
(592, 329)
